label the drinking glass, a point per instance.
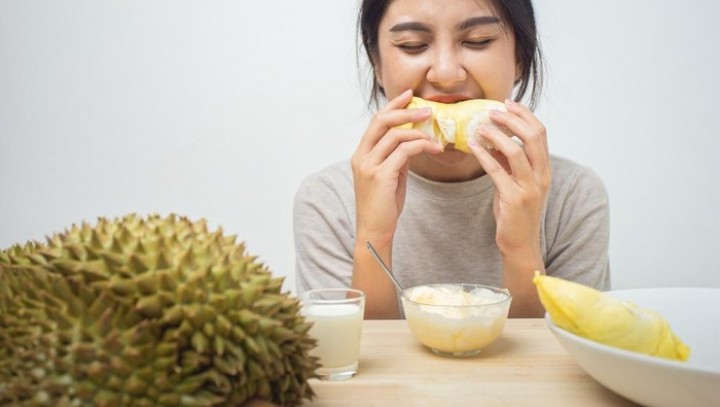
(337, 315)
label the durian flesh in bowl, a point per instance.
(652, 380)
(456, 319)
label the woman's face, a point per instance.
(446, 51)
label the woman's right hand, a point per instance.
(380, 166)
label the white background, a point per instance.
(218, 109)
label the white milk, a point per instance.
(337, 328)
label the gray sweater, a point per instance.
(446, 232)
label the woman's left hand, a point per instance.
(521, 174)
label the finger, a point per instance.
(522, 111)
(399, 101)
(526, 129)
(528, 117)
(492, 167)
(395, 138)
(532, 135)
(515, 154)
(499, 157)
(399, 158)
(384, 121)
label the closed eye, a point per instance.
(412, 47)
(478, 44)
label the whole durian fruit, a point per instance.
(153, 311)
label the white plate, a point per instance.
(694, 315)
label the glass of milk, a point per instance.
(337, 315)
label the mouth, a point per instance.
(447, 98)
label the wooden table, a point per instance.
(526, 366)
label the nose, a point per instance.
(446, 68)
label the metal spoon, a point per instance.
(385, 267)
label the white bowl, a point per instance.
(458, 330)
(694, 315)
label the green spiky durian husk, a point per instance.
(153, 311)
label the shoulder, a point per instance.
(336, 177)
(577, 225)
(570, 177)
(577, 193)
(326, 191)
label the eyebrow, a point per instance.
(475, 21)
(410, 26)
(465, 25)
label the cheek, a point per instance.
(496, 76)
(509, 80)
(397, 75)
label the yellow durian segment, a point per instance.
(600, 317)
(454, 122)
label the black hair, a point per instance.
(518, 15)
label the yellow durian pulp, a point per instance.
(600, 317)
(455, 122)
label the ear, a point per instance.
(518, 71)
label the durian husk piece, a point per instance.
(456, 122)
(154, 311)
(597, 316)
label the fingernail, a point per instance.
(423, 112)
(510, 102)
(473, 143)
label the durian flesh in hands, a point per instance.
(600, 317)
(456, 122)
(154, 311)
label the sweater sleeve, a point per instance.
(578, 228)
(323, 230)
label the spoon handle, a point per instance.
(384, 267)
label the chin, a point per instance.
(454, 161)
(449, 166)
(450, 155)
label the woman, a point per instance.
(441, 215)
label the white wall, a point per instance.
(217, 109)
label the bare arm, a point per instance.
(369, 277)
(380, 167)
(521, 174)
